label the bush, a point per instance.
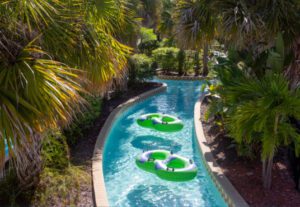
(149, 41)
(60, 188)
(55, 152)
(84, 121)
(60, 181)
(181, 60)
(147, 34)
(167, 42)
(140, 68)
(166, 57)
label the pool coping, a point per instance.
(100, 195)
(228, 191)
(187, 78)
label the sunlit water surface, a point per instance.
(127, 185)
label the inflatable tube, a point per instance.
(160, 122)
(176, 168)
(167, 123)
(147, 160)
(167, 166)
(146, 120)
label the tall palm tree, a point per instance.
(196, 26)
(254, 25)
(51, 51)
(151, 13)
(167, 23)
(247, 25)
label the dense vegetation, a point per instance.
(57, 58)
(53, 55)
(258, 84)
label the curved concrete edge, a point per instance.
(228, 191)
(191, 78)
(100, 196)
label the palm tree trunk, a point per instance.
(293, 70)
(205, 60)
(181, 60)
(267, 172)
(268, 163)
(27, 162)
(197, 64)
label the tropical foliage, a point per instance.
(58, 57)
(257, 108)
(166, 57)
(140, 68)
(251, 26)
(51, 52)
(148, 41)
(196, 27)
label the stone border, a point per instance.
(228, 191)
(191, 78)
(100, 196)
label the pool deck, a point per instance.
(100, 196)
(228, 191)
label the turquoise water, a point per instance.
(6, 150)
(127, 185)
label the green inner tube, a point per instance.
(167, 166)
(176, 176)
(147, 160)
(176, 169)
(160, 122)
(159, 155)
(146, 120)
(176, 163)
(167, 119)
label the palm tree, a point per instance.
(151, 13)
(246, 25)
(51, 51)
(254, 25)
(263, 114)
(166, 24)
(259, 108)
(196, 26)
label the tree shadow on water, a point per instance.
(149, 142)
(155, 196)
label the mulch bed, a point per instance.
(82, 153)
(245, 174)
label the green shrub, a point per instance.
(166, 58)
(60, 181)
(140, 68)
(55, 152)
(84, 121)
(167, 42)
(148, 41)
(147, 34)
(181, 60)
(60, 188)
(192, 61)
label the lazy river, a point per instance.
(127, 185)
